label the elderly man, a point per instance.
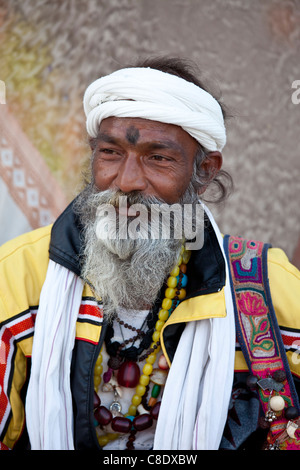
(115, 335)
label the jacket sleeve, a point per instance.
(23, 267)
(13, 374)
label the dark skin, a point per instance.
(134, 154)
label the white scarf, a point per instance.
(196, 396)
(49, 414)
(197, 393)
(151, 94)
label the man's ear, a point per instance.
(211, 166)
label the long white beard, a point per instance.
(126, 272)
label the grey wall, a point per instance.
(247, 49)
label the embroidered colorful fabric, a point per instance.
(258, 333)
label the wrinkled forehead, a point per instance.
(143, 132)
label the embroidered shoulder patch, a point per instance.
(259, 336)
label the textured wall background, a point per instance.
(247, 49)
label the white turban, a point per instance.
(158, 96)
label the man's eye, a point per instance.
(108, 151)
(159, 158)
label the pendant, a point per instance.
(291, 428)
(270, 416)
(115, 407)
(129, 374)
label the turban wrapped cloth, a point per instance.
(158, 96)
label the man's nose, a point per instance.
(131, 176)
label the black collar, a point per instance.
(206, 268)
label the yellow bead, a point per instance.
(140, 390)
(186, 257)
(179, 260)
(170, 293)
(166, 304)
(175, 271)
(151, 358)
(182, 294)
(144, 379)
(154, 345)
(112, 435)
(156, 336)
(132, 410)
(97, 381)
(98, 369)
(103, 440)
(99, 360)
(159, 324)
(172, 281)
(136, 400)
(147, 369)
(163, 314)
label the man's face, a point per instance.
(134, 154)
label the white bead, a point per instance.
(291, 428)
(277, 403)
(142, 410)
(159, 376)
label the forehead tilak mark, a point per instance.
(132, 135)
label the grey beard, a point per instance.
(127, 272)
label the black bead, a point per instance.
(263, 423)
(279, 376)
(114, 363)
(291, 412)
(251, 381)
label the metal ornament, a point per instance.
(115, 407)
(270, 384)
(270, 415)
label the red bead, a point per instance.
(142, 422)
(97, 401)
(103, 415)
(155, 410)
(129, 374)
(120, 424)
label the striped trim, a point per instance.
(21, 327)
(290, 338)
(11, 331)
(3, 446)
(90, 311)
(86, 340)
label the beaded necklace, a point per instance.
(116, 350)
(140, 414)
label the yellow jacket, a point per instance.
(23, 266)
